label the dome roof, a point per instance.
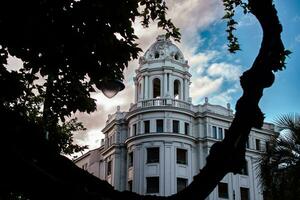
(161, 49)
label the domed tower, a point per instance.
(163, 73)
(163, 140)
(160, 143)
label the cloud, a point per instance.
(191, 16)
(228, 71)
(296, 18)
(95, 122)
(297, 38)
(246, 20)
(226, 96)
(201, 60)
(204, 86)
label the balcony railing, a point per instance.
(161, 102)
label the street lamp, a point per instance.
(111, 87)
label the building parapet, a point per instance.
(170, 102)
(161, 102)
(116, 116)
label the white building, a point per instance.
(163, 140)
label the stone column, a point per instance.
(187, 86)
(146, 87)
(142, 88)
(136, 89)
(165, 89)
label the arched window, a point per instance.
(156, 88)
(139, 89)
(176, 89)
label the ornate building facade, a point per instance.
(163, 140)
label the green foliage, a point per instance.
(74, 46)
(280, 165)
(229, 7)
(151, 12)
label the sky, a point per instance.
(215, 72)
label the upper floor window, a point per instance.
(220, 133)
(214, 132)
(257, 144)
(245, 195)
(181, 155)
(175, 126)
(267, 146)
(223, 190)
(176, 89)
(244, 170)
(134, 129)
(147, 126)
(152, 185)
(109, 168)
(159, 126)
(130, 158)
(181, 184)
(153, 155)
(186, 128)
(156, 88)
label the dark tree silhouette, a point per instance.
(74, 45)
(279, 167)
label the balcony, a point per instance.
(168, 102)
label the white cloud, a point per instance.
(191, 16)
(297, 38)
(246, 20)
(204, 86)
(200, 61)
(228, 71)
(296, 18)
(226, 96)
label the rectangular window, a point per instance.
(267, 146)
(245, 169)
(181, 184)
(134, 130)
(175, 126)
(130, 159)
(159, 126)
(223, 190)
(186, 128)
(220, 133)
(257, 144)
(153, 155)
(130, 186)
(152, 185)
(245, 195)
(109, 168)
(147, 126)
(181, 156)
(214, 132)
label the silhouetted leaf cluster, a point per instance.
(74, 46)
